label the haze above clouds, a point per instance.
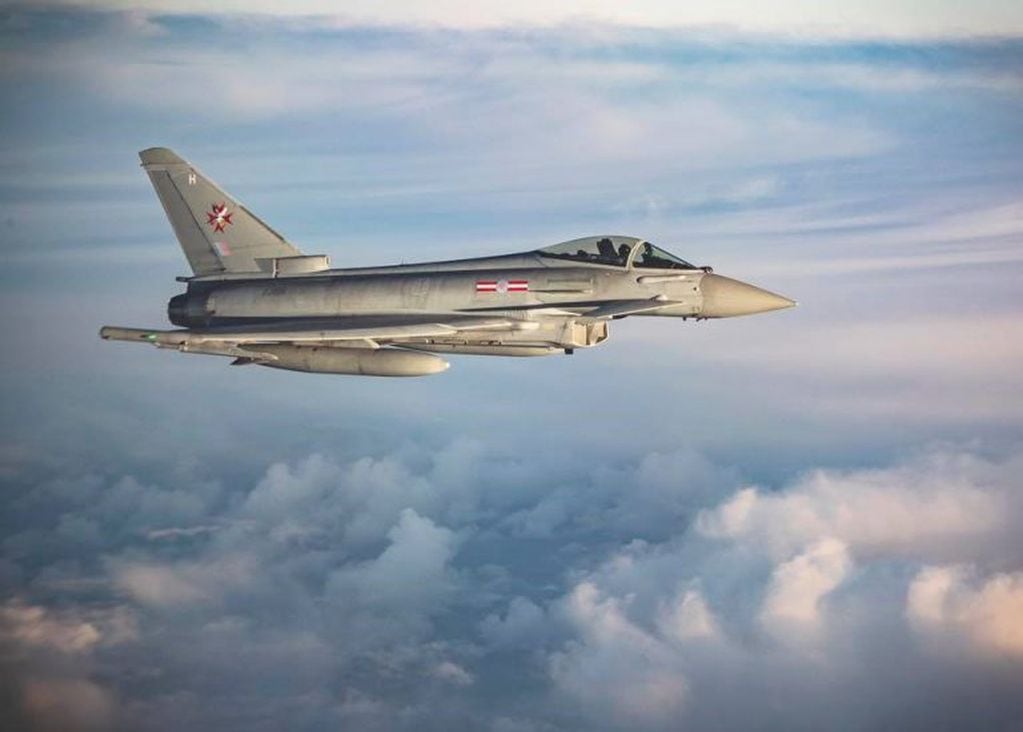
(809, 518)
(870, 18)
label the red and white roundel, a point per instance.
(502, 286)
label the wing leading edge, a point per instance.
(395, 331)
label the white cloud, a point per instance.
(935, 505)
(36, 626)
(617, 672)
(440, 595)
(706, 607)
(951, 601)
(544, 106)
(799, 585)
(410, 576)
(452, 673)
(687, 617)
(173, 533)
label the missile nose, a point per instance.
(724, 297)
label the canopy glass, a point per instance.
(616, 251)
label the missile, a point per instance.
(315, 359)
(357, 361)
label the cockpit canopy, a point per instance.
(619, 251)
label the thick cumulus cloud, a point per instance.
(925, 508)
(617, 671)
(811, 595)
(404, 591)
(989, 611)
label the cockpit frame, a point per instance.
(616, 251)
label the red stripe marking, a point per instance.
(502, 285)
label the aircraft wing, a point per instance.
(374, 329)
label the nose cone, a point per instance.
(724, 297)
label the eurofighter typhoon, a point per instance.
(256, 298)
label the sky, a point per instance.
(801, 520)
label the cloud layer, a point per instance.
(307, 585)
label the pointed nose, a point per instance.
(724, 297)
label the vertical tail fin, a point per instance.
(217, 233)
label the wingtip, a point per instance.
(159, 156)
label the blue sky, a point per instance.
(804, 518)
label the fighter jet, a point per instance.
(254, 297)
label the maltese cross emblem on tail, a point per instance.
(219, 217)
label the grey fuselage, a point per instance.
(558, 292)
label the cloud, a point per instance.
(524, 625)
(585, 109)
(616, 671)
(452, 673)
(365, 590)
(159, 585)
(799, 585)
(47, 665)
(687, 617)
(936, 504)
(705, 608)
(946, 601)
(412, 572)
(35, 626)
(175, 533)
